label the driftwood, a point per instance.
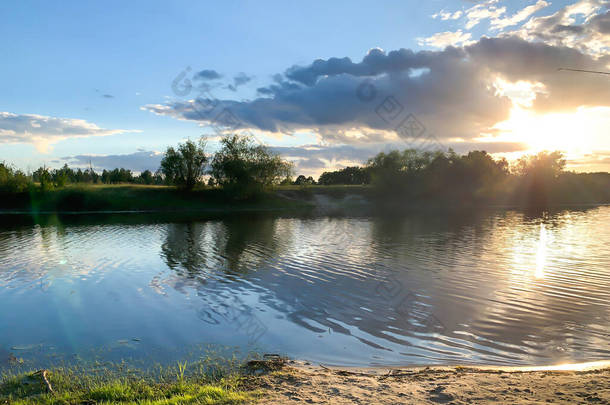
(390, 373)
(44, 375)
(346, 372)
(270, 362)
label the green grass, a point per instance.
(82, 198)
(73, 386)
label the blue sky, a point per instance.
(102, 65)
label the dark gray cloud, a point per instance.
(450, 91)
(374, 63)
(279, 84)
(311, 164)
(239, 80)
(137, 161)
(107, 96)
(207, 74)
(601, 23)
(574, 29)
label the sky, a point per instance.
(325, 84)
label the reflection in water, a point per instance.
(541, 253)
(503, 288)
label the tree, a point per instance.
(246, 167)
(146, 177)
(184, 165)
(63, 176)
(539, 175)
(547, 165)
(12, 180)
(302, 180)
(348, 175)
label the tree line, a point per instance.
(244, 168)
(476, 177)
(240, 166)
(14, 180)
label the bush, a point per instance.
(185, 165)
(11, 180)
(244, 169)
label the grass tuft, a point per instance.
(73, 386)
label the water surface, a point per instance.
(503, 288)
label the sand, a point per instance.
(306, 384)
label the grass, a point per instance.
(130, 197)
(182, 384)
(82, 198)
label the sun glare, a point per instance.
(568, 132)
(576, 133)
(541, 253)
(579, 134)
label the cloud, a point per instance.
(312, 160)
(207, 74)
(596, 161)
(239, 80)
(515, 59)
(499, 23)
(42, 131)
(444, 39)
(445, 15)
(329, 153)
(591, 36)
(489, 10)
(483, 11)
(137, 161)
(107, 96)
(453, 95)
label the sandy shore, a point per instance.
(299, 383)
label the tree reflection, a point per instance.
(234, 246)
(185, 250)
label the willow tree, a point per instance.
(245, 167)
(184, 165)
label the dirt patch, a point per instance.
(297, 383)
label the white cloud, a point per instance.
(447, 15)
(444, 39)
(521, 15)
(42, 131)
(584, 8)
(582, 25)
(483, 11)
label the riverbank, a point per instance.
(277, 383)
(140, 199)
(455, 385)
(311, 199)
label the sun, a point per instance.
(577, 133)
(581, 135)
(567, 132)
